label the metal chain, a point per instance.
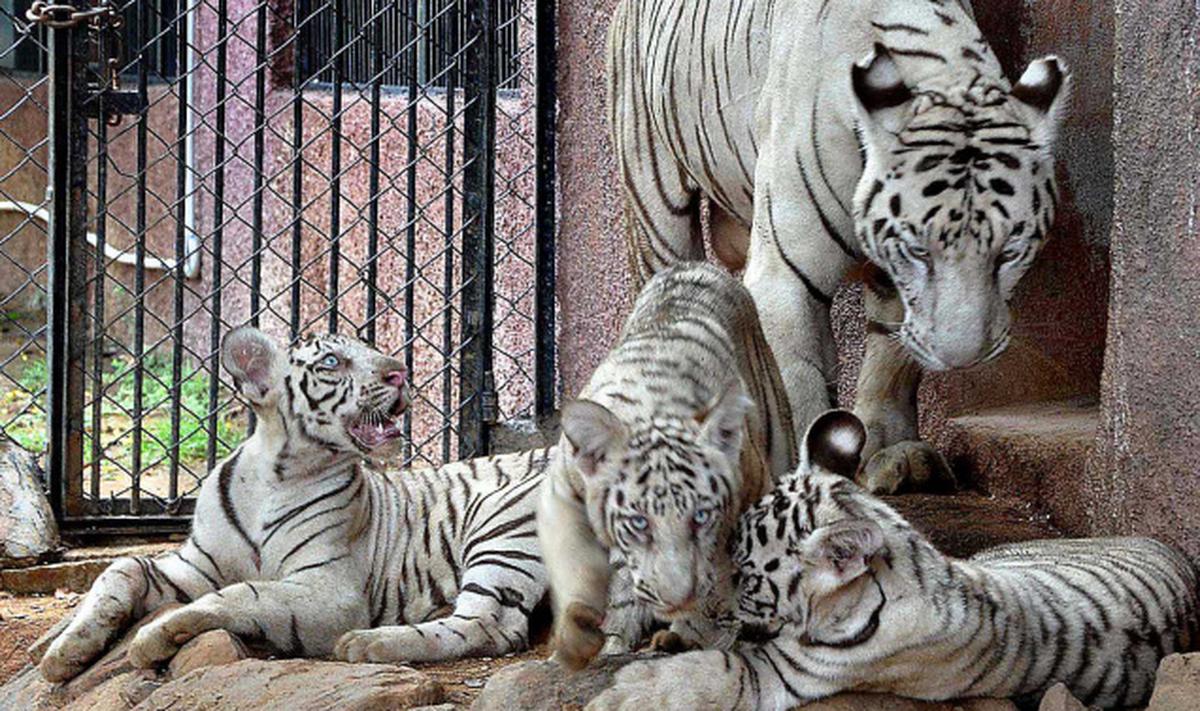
(62, 15)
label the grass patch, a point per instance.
(24, 421)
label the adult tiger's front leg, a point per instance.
(299, 616)
(894, 458)
(126, 591)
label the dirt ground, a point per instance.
(24, 619)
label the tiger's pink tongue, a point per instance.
(376, 435)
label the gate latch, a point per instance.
(102, 17)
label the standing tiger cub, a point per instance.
(683, 425)
(850, 597)
(295, 542)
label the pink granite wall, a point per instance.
(1145, 472)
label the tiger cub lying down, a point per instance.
(295, 543)
(851, 597)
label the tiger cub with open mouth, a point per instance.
(296, 542)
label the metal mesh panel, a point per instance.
(302, 165)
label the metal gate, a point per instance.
(375, 167)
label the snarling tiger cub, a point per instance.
(851, 597)
(679, 428)
(296, 542)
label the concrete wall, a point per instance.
(1145, 472)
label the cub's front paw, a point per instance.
(907, 466)
(578, 636)
(671, 642)
(384, 645)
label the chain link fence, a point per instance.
(383, 169)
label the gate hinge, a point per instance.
(60, 15)
(489, 400)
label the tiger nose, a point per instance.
(396, 378)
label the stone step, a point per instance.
(76, 571)
(1035, 453)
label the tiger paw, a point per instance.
(906, 466)
(69, 655)
(384, 645)
(578, 636)
(670, 642)
(160, 640)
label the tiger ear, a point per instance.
(883, 97)
(834, 442)
(723, 421)
(252, 358)
(840, 552)
(592, 431)
(1040, 94)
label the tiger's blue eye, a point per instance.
(330, 361)
(639, 522)
(702, 516)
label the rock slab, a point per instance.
(212, 673)
(1060, 698)
(297, 685)
(28, 532)
(1177, 685)
(545, 686)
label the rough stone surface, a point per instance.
(1036, 452)
(1177, 686)
(76, 576)
(297, 685)
(544, 686)
(28, 532)
(1059, 698)
(964, 524)
(1146, 469)
(207, 674)
(28, 690)
(208, 650)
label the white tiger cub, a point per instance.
(679, 428)
(296, 543)
(850, 597)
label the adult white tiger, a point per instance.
(921, 159)
(295, 542)
(679, 428)
(850, 597)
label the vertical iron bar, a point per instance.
(335, 165)
(57, 315)
(100, 277)
(545, 198)
(218, 236)
(479, 130)
(410, 194)
(260, 122)
(373, 180)
(299, 76)
(181, 168)
(449, 70)
(139, 270)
